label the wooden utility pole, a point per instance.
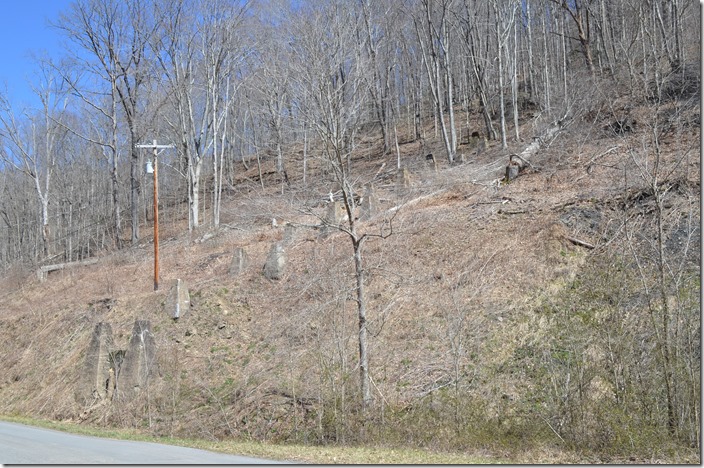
(155, 147)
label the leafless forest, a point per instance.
(231, 83)
(305, 101)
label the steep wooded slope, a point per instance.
(461, 298)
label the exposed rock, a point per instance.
(178, 301)
(336, 215)
(240, 261)
(622, 125)
(275, 262)
(431, 161)
(98, 363)
(586, 219)
(289, 233)
(512, 171)
(481, 146)
(139, 364)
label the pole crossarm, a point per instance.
(155, 146)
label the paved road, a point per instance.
(20, 444)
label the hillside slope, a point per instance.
(463, 300)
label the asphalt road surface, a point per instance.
(20, 444)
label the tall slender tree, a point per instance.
(33, 143)
(115, 34)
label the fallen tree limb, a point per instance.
(591, 162)
(414, 201)
(581, 243)
(492, 202)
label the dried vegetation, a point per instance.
(454, 295)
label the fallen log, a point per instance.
(415, 200)
(43, 271)
(518, 162)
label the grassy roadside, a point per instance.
(294, 453)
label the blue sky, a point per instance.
(25, 30)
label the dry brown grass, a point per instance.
(465, 251)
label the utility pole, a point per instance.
(153, 168)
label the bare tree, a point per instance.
(273, 89)
(103, 120)
(115, 33)
(665, 267)
(32, 144)
(192, 124)
(433, 36)
(477, 49)
(579, 11)
(505, 17)
(334, 83)
(378, 90)
(219, 47)
(195, 62)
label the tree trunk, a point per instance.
(362, 316)
(134, 187)
(531, 72)
(450, 98)
(580, 17)
(433, 70)
(305, 153)
(546, 70)
(474, 54)
(514, 82)
(114, 172)
(500, 48)
(46, 231)
(195, 165)
(375, 89)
